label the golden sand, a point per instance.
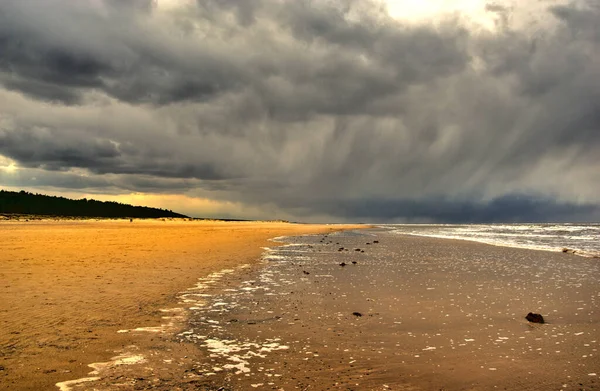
(68, 287)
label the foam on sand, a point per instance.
(99, 367)
(67, 385)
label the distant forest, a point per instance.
(22, 202)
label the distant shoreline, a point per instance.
(50, 217)
(25, 203)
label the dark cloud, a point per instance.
(66, 181)
(316, 108)
(55, 43)
(43, 149)
(494, 7)
(581, 21)
(352, 63)
(509, 208)
(60, 150)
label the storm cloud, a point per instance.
(308, 109)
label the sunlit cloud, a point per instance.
(7, 165)
(428, 10)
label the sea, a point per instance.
(580, 239)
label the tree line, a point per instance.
(12, 202)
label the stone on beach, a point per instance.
(535, 318)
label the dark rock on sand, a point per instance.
(305, 272)
(375, 241)
(356, 314)
(343, 264)
(354, 262)
(357, 249)
(341, 249)
(535, 318)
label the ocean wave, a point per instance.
(579, 239)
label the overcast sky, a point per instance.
(311, 110)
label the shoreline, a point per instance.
(250, 321)
(413, 313)
(565, 250)
(70, 286)
(553, 251)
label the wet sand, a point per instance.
(411, 314)
(70, 289)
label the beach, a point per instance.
(373, 310)
(359, 309)
(68, 287)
